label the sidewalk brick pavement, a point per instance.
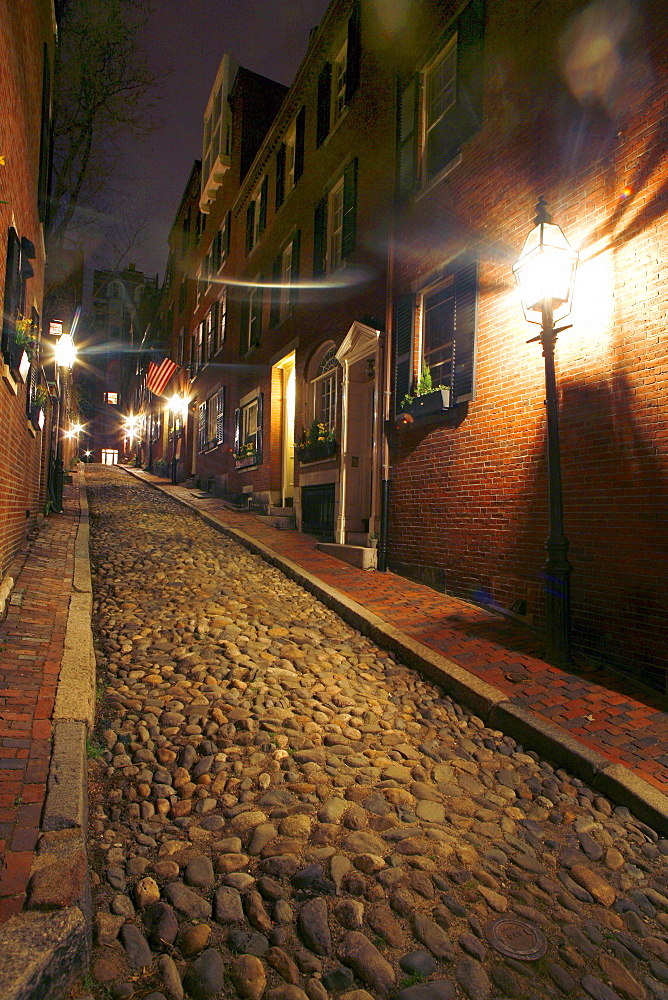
(605, 711)
(32, 639)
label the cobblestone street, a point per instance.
(280, 809)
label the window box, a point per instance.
(429, 404)
(37, 417)
(316, 452)
(245, 461)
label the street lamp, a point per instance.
(65, 356)
(178, 404)
(545, 274)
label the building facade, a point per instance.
(27, 50)
(361, 246)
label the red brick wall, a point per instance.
(23, 32)
(470, 496)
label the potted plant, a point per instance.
(246, 455)
(38, 408)
(428, 399)
(23, 348)
(316, 443)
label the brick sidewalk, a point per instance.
(31, 647)
(605, 711)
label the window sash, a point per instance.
(335, 226)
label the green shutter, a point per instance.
(264, 195)
(228, 234)
(403, 348)
(300, 130)
(275, 309)
(349, 234)
(258, 436)
(466, 297)
(280, 175)
(354, 52)
(294, 286)
(320, 238)
(243, 332)
(407, 134)
(250, 226)
(220, 415)
(470, 44)
(324, 104)
(257, 318)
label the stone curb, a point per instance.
(44, 949)
(493, 706)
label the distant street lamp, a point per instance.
(545, 274)
(65, 355)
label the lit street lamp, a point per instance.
(545, 274)
(64, 356)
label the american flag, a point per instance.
(159, 373)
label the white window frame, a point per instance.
(111, 398)
(335, 226)
(286, 280)
(339, 71)
(290, 146)
(426, 294)
(325, 385)
(448, 54)
(252, 293)
(257, 199)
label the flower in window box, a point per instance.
(428, 399)
(316, 443)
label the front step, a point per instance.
(357, 555)
(284, 522)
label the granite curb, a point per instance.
(44, 949)
(491, 704)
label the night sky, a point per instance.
(186, 39)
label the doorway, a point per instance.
(286, 370)
(110, 456)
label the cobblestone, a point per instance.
(317, 818)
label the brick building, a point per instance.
(27, 47)
(371, 234)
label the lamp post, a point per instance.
(65, 356)
(545, 274)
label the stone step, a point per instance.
(282, 522)
(361, 556)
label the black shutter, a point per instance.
(215, 330)
(280, 175)
(243, 333)
(275, 310)
(237, 430)
(256, 324)
(320, 238)
(324, 103)
(220, 415)
(300, 130)
(250, 226)
(470, 43)
(294, 275)
(258, 436)
(403, 349)
(264, 194)
(354, 52)
(13, 285)
(44, 139)
(228, 234)
(349, 233)
(407, 133)
(466, 298)
(223, 314)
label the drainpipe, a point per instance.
(383, 541)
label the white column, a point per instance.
(340, 535)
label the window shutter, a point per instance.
(222, 326)
(44, 139)
(237, 430)
(250, 226)
(245, 316)
(324, 104)
(403, 349)
(354, 52)
(470, 43)
(215, 327)
(201, 426)
(220, 415)
(407, 132)
(300, 130)
(275, 310)
(264, 193)
(12, 302)
(349, 234)
(294, 275)
(31, 385)
(320, 238)
(463, 366)
(228, 234)
(258, 436)
(257, 318)
(280, 175)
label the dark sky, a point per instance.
(186, 39)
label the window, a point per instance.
(290, 158)
(248, 430)
(256, 214)
(336, 223)
(186, 233)
(221, 245)
(285, 275)
(183, 294)
(447, 313)
(17, 269)
(221, 328)
(441, 107)
(251, 319)
(339, 79)
(211, 421)
(324, 386)
(180, 348)
(111, 398)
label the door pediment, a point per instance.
(360, 341)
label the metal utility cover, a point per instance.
(516, 938)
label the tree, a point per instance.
(104, 94)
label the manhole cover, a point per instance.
(516, 938)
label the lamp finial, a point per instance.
(542, 214)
